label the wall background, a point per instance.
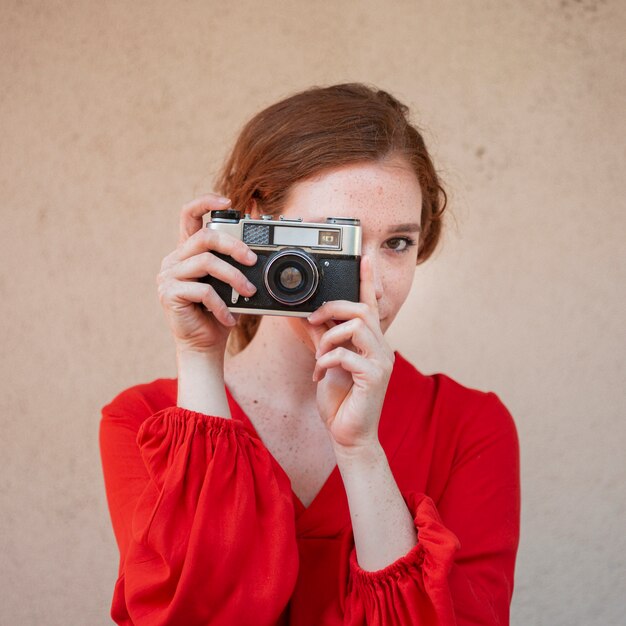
(113, 114)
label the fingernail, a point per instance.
(250, 287)
(223, 200)
(251, 256)
(231, 320)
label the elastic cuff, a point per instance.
(185, 421)
(208, 422)
(400, 567)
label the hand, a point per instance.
(353, 368)
(201, 328)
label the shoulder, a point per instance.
(137, 403)
(449, 403)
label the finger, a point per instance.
(215, 305)
(179, 294)
(355, 332)
(340, 310)
(207, 264)
(211, 240)
(367, 286)
(314, 332)
(192, 212)
(344, 358)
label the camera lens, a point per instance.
(291, 276)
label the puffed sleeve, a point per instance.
(460, 573)
(204, 524)
(413, 589)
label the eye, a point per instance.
(399, 244)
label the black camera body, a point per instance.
(300, 265)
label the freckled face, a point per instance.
(386, 197)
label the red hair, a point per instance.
(319, 129)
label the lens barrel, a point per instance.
(291, 276)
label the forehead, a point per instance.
(377, 193)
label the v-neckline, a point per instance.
(299, 507)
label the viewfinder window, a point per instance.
(329, 238)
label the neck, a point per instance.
(280, 357)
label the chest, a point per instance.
(297, 440)
(308, 461)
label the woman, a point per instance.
(311, 475)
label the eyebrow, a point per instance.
(411, 227)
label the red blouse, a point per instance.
(210, 532)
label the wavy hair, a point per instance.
(316, 130)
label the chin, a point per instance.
(385, 323)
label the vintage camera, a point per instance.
(300, 265)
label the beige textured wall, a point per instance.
(113, 114)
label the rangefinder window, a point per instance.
(304, 236)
